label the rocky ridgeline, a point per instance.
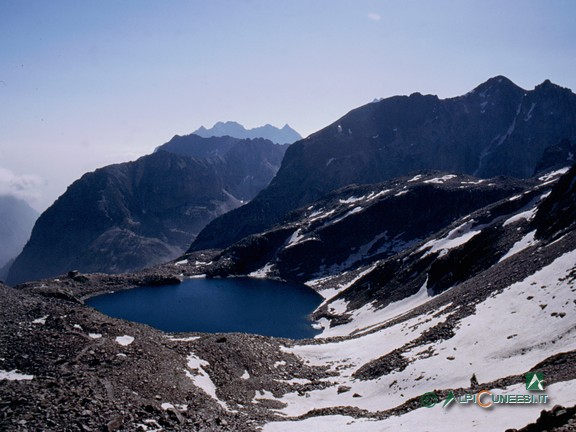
(496, 129)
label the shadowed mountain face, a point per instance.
(286, 135)
(496, 129)
(246, 166)
(358, 225)
(133, 215)
(16, 221)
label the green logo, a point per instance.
(428, 400)
(535, 381)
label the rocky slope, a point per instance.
(286, 135)
(473, 306)
(16, 221)
(137, 214)
(496, 129)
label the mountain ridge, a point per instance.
(138, 214)
(496, 129)
(284, 135)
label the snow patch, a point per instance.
(40, 321)
(261, 273)
(317, 215)
(526, 241)
(367, 317)
(322, 323)
(331, 292)
(455, 238)
(350, 213)
(94, 335)
(124, 340)
(14, 375)
(338, 306)
(473, 182)
(351, 200)
(201, 379)
(295, 238)
(525, 215)
(184, 339)
(441, 180)
(373, 196)
(553, 174)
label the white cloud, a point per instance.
(374, 16)
(25, 186)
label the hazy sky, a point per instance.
(87, 83)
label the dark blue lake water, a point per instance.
(243, 305)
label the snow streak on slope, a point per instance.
(457, 237)
(14, 375)
(346, 357)
(328, 293)
(201, 378)
(367, 317)
(526, 241)
(507, 334)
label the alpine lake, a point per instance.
(243, 305)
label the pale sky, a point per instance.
(84, 84)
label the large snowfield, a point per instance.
(507, 335)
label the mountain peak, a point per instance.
(495, 83)
(548, 85)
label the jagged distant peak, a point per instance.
(285, 135)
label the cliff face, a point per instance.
(496, 129)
